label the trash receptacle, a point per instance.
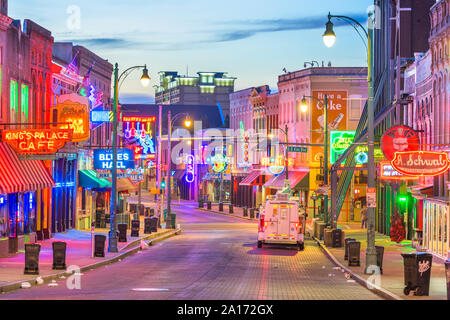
(135, 225)
(147, 225)
(200, 203)
(173, 218)
(417, 270)
(252, 213)
(59, 255)
(380, 254)
(122, 232)
(230, 208)
(32, 251)
(337, 238)
(354, 251)
(447, 275)
(99, 245)
(245, 211)
(13, 244)
(328, 237)
(154, 224)
(209, 205)
(152, 212)
(221, 206)
(346, 241)
(321, 230)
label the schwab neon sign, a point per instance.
(103, 159)
(190, 169)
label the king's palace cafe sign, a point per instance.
(37, 141)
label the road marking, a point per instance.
(148, 289)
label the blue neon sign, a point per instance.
(103, 159)
(101, 116)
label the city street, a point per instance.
(215, 257)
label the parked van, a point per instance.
(280, 223)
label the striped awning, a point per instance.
(252, 176)
(88, 179)
(21, 175)
(277, 182)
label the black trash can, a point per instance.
(354, 252)
(221, 206)
(447, 275)
(59, 255)
(346, 241)
(147, 225)
(209, 205)
(328, 237)
(13, 245)
(230, 208)
(252, 213)
(152, 212)
(32, 251)
(122, 232)
(173, 219)
(337, 238)
(135, 225)
(417, 270)
(245, 211)
(200, 203)
(380, 254)
(154, 224)
(99, 245)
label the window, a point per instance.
(13, 101)
(24, 104)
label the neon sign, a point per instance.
(339, 142)
(73, 110)
(103, 159)
(190, 169)
(399, 139)
(136, 175)
(276, 166)
(421, 163)
(37, 141)
(387, 172)
(101, 116)
(219, 163)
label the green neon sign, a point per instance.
(339, 142)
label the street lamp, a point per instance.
(187, 123)
(145, 80)
(304, 107)
(371, 254)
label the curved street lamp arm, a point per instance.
(317, 99)
(177, 116)
(126, 73)
(351, 20)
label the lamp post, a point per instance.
(145, 81)
(329, 38)
(170, 122)
(304, 108)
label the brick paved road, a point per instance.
(214, 258)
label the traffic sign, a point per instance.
(371, 197)
(297, 149)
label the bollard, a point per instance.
(231, 209)
(59, 255)
(32, 251)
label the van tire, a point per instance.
(260, 244)
(301, 246)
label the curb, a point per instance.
(363, 282)
(18, 285)
(228, 214)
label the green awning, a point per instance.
(88, 179)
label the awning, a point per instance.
(421, 191)
(277, 182)
(252, 176)
(126, 185)
(21, 175)
(88, 179)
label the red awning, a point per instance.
(21, 175)
(277, 182)
(252, 176)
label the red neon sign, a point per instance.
(138, 119)
(421, 163)
(399, 139)
(387, 172)
(37, 141)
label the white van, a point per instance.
(280, 223)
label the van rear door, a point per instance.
(284, 221)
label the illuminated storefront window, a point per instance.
(14, 101)
(24, 104)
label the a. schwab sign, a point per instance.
(103, 159)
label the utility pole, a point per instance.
(169, 169)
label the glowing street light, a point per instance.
(145, 79)
(329, 37)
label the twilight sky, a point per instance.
(249, 39)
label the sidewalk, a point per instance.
(237, 211)
(392, 278)
(78, 253)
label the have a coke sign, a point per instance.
(421, 163)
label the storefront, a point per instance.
(436, 226)
(252, 188)
(24, 200)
